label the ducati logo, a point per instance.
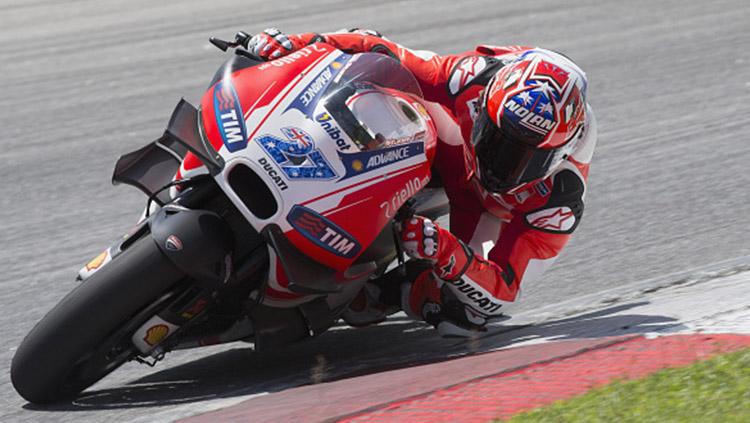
(173, 243)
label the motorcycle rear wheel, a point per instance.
(87, 334)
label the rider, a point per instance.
(516, 137)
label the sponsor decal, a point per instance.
(229, 117)
(419, 136)
(480, 300)
(329, 125)
(523, 196)
(541, 188)
(390, 208)
(538, 122)
(366, 161)
(556, 219)
(309, 96)
(422, 111)
(323, 232)
(271, 172)
(173, 243)
(296, 155)
(97, 261)
(196, 308)
(156, 334)
(465, 72)
(292, 57)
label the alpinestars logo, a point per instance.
(447, 270)
(465, 72)
(296, 155)
(556, 219)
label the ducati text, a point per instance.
(271, 172)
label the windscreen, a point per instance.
(372, 102)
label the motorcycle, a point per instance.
(305, 163)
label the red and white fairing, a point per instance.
(288, 137)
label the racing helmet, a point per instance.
(530, 119)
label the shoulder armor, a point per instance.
(472, 70)
(564, 209)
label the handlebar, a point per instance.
(239, 44)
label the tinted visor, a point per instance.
(506, 161)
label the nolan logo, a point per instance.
(529, 118)
(323, 232)
(229, 117)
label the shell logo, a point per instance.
(96, 262)
(357, 165)
(156, 334)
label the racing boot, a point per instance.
(366, 308)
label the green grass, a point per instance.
(715, 390)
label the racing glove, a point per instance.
(272, 44)
(424, 240)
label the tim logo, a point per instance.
(323, 232)
(229, 117)
(296, 155)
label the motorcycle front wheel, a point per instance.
(87, 334)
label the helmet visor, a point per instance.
(504, 161)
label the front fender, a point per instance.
(198, 242)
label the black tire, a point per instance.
(65, 352)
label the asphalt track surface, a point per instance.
(82, 82)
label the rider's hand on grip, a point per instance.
(271, 44)
(424, 240)
(420, 238)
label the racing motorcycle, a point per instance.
(305, 161)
